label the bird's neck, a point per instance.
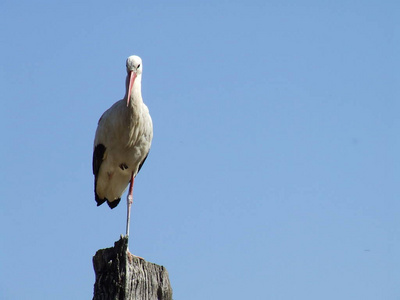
(136, 92)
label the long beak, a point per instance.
(132, 78)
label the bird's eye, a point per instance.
(138, 66)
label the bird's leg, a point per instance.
(129, 200)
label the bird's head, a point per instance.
(133, 68)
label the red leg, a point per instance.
(129, 202)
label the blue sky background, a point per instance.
(274, 170)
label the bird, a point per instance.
(122, 142)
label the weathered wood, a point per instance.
(123, 276)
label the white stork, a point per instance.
(122, 142)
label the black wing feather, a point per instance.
(98, 155)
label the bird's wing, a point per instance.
(101, 143)
(98, 157)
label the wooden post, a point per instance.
(122, 276)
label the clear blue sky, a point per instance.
(274, 171)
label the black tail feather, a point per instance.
(98, 200)
(114, 203)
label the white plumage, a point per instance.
(123, 139)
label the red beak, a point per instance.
(132, 78)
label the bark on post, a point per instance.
(122, 276)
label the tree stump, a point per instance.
(123, 276)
